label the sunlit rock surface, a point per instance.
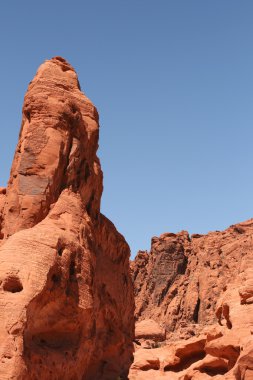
(66, 300)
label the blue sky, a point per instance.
(173, 84)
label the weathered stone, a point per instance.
(149, 329)
(66, 300)
(199, 285)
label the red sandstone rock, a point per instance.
(66, 304)
(2, 202)
(145, 360)
(189, 284)
(244, 367)
(149, 329)
(210, 365)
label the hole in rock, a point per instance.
(185, 362)
(12, 284)
(151, 365)
(60, 251)
(214, 371)
(56, 278)
(27, 115)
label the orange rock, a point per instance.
(56, 149)
(200, 285)
(66, 303)
(207, 368)
(149, 329)
(145, 360)
(244, 367)
(226, 347)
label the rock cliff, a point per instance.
(198, 290)
(66, 300)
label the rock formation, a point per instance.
(66, 295)
(199, 289)
(66, 302)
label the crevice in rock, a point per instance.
(196, 311)
(86, 172)
(60, 247)
(225, 311)
(89, 204)
(164, 292)
(60, 251)
(72, 270)
(182, 266)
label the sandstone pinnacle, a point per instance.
(66, 300)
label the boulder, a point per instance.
(149, 329)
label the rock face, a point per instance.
(198, 287)
(66, 301)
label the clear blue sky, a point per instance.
(173, 83)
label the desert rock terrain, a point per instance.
(198, 290)
(71, 307)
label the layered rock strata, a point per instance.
(66, 300)
(192, 286)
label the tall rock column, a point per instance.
(66, 298)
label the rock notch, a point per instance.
(66, 301)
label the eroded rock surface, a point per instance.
(197, 287)
(66, 301)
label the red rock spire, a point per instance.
(66, 299)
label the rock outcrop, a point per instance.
(197, 288)
(66, 300)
